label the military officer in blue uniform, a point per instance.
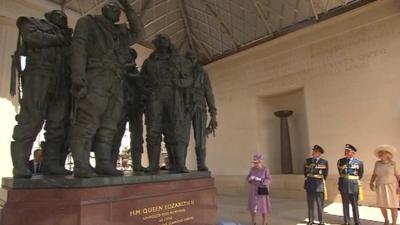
(315, 172)
(351, 171)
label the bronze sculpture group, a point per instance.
(91, 77)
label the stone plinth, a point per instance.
(162, 199)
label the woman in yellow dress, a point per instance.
(385, 182)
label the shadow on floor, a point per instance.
(286, 212)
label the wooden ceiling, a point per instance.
(217, 28)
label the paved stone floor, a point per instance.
(288, 212)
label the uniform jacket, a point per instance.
(203, 96)
(47, 49)
(155, 77)
(98, 43)
(319, 168)
(346, 167)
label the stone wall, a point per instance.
(348, 69)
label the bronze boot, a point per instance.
(104, 166)
(180, 157)
(81, 154)
(51, 160)
(20, 157)
(137, 159)
(153, 151)
(201, 159)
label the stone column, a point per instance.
(286, 152)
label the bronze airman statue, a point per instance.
(166, 112)
(100, 50)
(45, 91)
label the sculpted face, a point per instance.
(57, 17)
(112, 12)
(191, 56)
(162, 41)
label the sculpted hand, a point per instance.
(175, 82)
(79, 88)
(212, 126)
(60, 37)
(213, 123)
(78, 92)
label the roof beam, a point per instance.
(189, 34)
(177, 32)
(184, 14)
(79, 6)
(268, 12)
(297, 26)
(271, 10)
(145, 6)
(227, 30)
(295, 8)
(314, 9)
(94, 8)
(146, 44)
(281, 13)
(296, 12)
(202, 47)
(318, 5)
(205, 43)
(160, 18)
(65, 3)
(261, 15)
(180, 46)
(163, 29)
(342, 1)
(327, 5)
